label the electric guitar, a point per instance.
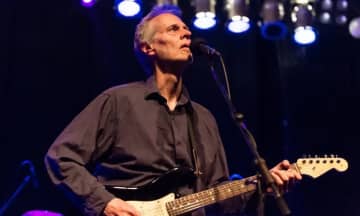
(170, 205)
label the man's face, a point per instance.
(171, 39)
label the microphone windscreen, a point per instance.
(195, 46)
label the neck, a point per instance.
(170, 87)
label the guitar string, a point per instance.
(225, 190)
(197, 200)
(200, 203)
(205, 197)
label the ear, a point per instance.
(147, 49)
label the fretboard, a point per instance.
(207, 197)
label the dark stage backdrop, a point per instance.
(56, 56)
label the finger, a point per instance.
(278, 180)
(293, 178)
(132, 212)
(282, 174)
(297, 175)
(126, 208)
(290, 174)
(285, 164)
(293, 175)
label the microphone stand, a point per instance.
(15, 194)
(250, 140)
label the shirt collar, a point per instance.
(152, 93)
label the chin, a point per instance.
(190, 59)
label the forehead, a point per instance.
(164, 20)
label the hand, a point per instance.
(118, 207)
(284, 176)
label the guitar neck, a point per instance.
(207, 197)
(168, 205)
(213, 195)
(313, 167)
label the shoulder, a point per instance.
(121, 97)
(126, 89)
(203, 113)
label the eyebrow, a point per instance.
(177, 26)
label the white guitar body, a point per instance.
(154, 207)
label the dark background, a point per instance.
(56, 56)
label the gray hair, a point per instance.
(142, 33)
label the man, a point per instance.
(131, 134)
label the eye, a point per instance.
(173, 28)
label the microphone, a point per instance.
(199, 46)
(31, 169)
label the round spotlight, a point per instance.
(342, 5)
(238, 11)
(272, 13)
(354, 28)
(128, 8)
(204, 20)
(325, 18)
(87, 3)
(239, 24)
(341, 19)
(302, 16)
(326, 5)
(273, 30)
(304, 35)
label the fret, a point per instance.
(210, 196)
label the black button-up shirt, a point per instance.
(127, 136)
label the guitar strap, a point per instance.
(191, 119)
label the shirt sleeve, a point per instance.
(83, 141)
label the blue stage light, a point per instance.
(272, 13)
(237, 12)
(304, 35)
(274, 30)
(87, 3)
(302, 16)
(128, 8)
(239, 24)
(205, 20)
(204, 14)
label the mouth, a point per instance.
(185, 47)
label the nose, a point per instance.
(186, 34)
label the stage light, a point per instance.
(302, 16)
(341, 19)
(342, 5)
(325, 17)
(304, 35)
(128, 8)
(341, 10)
(326, 11)
(239, 21)
(272, 14)
(87, 3)
(205, 14)
(163, 2)
(326, 5)
(354, 27)
(239, 24)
